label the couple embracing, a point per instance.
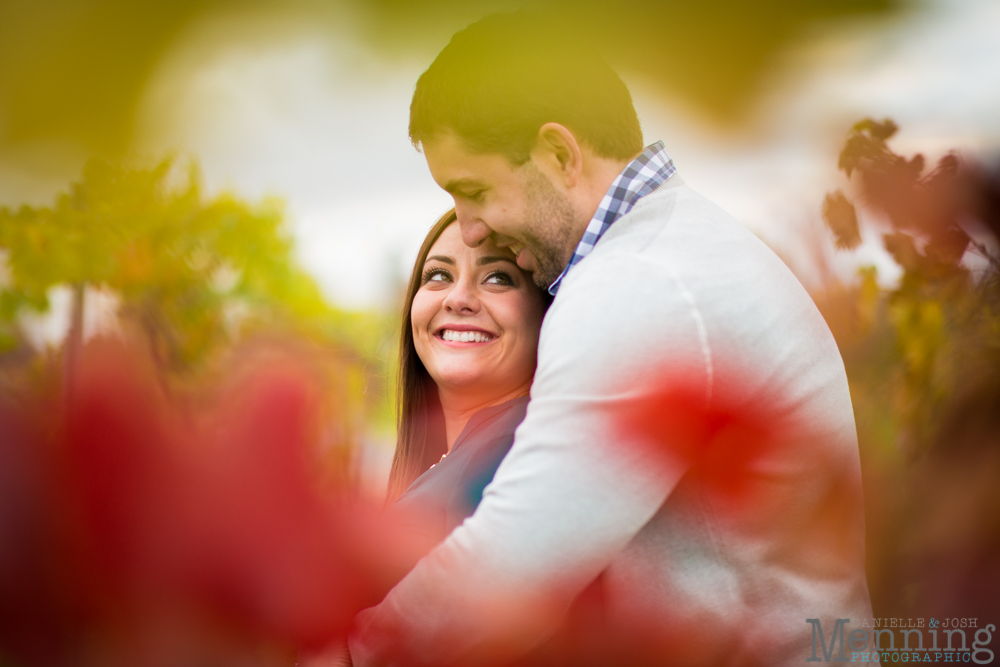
(575, 279)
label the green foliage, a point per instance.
(90, 59)
(194, 277)
(191, 273)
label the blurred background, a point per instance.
(204, 173)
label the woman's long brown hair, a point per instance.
(420, 440)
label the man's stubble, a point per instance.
(550, 230)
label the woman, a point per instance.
(467, 351)
(468, 342)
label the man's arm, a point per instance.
(571, 493)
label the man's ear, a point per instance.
(558, 153)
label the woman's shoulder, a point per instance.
(451, 489)
(488, 435)
(493, 424)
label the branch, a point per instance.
(984, 251)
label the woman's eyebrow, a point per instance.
(440, 258)
(489, 259)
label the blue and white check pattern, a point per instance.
(642, 175)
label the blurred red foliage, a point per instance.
(923, 359)
(925, 210)
(139, 530)
(719, 440)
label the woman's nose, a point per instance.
(462, 298)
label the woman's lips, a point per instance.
(464, 336)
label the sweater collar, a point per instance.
(648, 171)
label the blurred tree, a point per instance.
(923, 360)
(938, 304)
(74, 69)
(191, 274)
(203, 282)
(714, 53)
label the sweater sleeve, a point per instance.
(572, 492)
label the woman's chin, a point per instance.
(467, 383)
(478, 386)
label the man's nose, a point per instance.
(474, 230)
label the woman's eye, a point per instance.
(436, 276)
(499, 278)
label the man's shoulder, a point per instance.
(616, 314)
(682, 277)
(677, 220)
(675, 239)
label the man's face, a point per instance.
(515, 205)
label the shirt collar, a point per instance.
(640, 177)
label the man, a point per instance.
(537, 141)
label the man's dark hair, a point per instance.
(503, 77)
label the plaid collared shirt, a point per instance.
(642, 175)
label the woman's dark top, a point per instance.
(449, 492)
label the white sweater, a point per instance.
(676, 283)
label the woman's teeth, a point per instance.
(466, 336)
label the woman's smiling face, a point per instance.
(476, 318)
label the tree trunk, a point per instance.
(74, 342)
